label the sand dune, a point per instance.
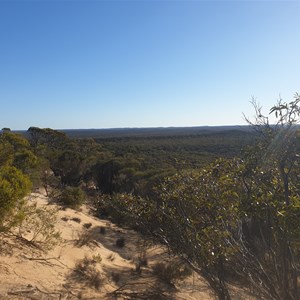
(87, 264)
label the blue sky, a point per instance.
(105, 64)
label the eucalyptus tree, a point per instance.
(243, 215)
(271, 182)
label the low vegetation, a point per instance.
(86, 271)
(170, 272)
(38, 226)
(72, 197)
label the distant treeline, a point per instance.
(138, 157)
(151, 132)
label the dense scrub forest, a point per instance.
(226, 202)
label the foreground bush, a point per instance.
(14, 186)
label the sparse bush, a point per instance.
(38, 226)
(171, 271)
(84, 238)
(87, 225)
(102, 230)
(72, 197)
(120, 243)
(76, 219)
(65, 219)
(85, 270)
(115, 276)
(97, 258)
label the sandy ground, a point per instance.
(87, 264)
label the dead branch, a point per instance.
(32, 290)
(46, 260)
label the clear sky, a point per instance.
(105, 64)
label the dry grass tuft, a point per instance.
(86, 271)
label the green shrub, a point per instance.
(14, 186)
(72, 197)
